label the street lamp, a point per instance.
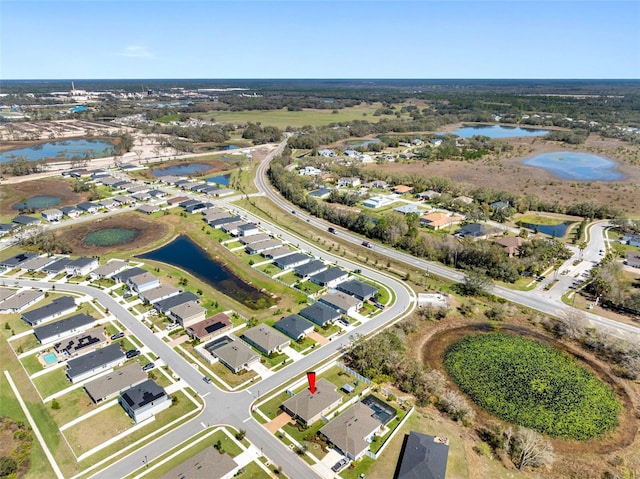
(146, 462)
(427, 276)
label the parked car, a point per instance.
(132, 353)
(172, 326)
(117, 336)
(206, 379)
(148, 367)
(339, 465)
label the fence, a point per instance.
(374, 455)
(350, 371)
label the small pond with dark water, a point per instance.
(37, 203)
(181, 170)
(67, 149)
(558, 231)
(186, 254)
(222, 180)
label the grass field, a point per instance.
(283, 118)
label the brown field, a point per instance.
(588, 459)
(18, 192)
(148, 232)
(507, 173)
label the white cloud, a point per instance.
(136, 51)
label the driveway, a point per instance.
(277, 423)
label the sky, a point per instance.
(92, 39)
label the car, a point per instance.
(366, 244)
(148, 366)
(206, 379)
(117, 336)
(293, 212)
(172, 326)
(332, 230)
(339, 465)
(343, 321)
(132, 353)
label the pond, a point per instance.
(557, 231)
(37, 203)
(572, 165)
(496, 131)
(186, 254)
(354, 143)
(110, 236)
(68, 149)
(222, 180)
(230, 147)
(181, 170)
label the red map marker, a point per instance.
(311, 378)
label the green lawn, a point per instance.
(96, 429)
(51, 382)
(302, 345)
(309, 288)
(229, 377)
(306, 436)
(32, 364)
(271, 408)
(25, 343)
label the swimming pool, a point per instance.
(381, 411)
(50, 358)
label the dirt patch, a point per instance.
(506, 172)
(147, 230)
(622, 437)
(19, 192)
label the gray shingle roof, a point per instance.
(57, 306)
(93, 360)
(294, 326)
(142, 394)
(424, 457)
(357, 288)
(68, 324)
(320, 313)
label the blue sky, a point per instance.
(319, 39)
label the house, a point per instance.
(631, 240)
(463, 199)
(327, 153)
(123, 276)
(309, 269)
(225, 220)
(135, 189)
(17, 259)
(294, 326)
(198, 207)
(140, 197)
(292, 260)
(56, 308)
(53, 214)
(632, 258)
(144, 400)
(438, 220)
(330, 277)
(232, 228)
(376, 202)
(148, 209)
(5, 228)
(309, 408)
(236, 356)
(114, 383)
(81, 266)
(85, 366)
(356, 288)
(348, 182)
(352, 431)
(211, 214)
(377, 184)
(255, 248)
(265, 339)
(70, 211)
(423, 457)
(351, 153)
(210, 327)
(473, 230)
(81, 342)
(6, 293)
(34, 264)
(108, 181)
(121, 200)
(23, 220)
(222, 192)
(207, 464)
(428, 195)
(164, 305)
(20, 301)
(158, 293)
(511, 244)
(499, 205)
(248, 229)
(321, 193)
(107, 270)
(88, 207)
(142, 282)
(188, 313)
(320, 314)
(309, 171)
(402, 189)
(108, 203)
(407, 209)
(51, 332)
(277, 253)
(343, 302)
(176, 200)
(57, 266)
(158, 193)
(254, 238)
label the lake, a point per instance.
(496, 131)
(557, 231)
(570, 165)
(67, 149)
(186, 254)
(354, 143)
(37, 203)
(222, 180)
(181, 170)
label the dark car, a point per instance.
(148, 367)
(206, 379)
(366, 244)
(132, 353)
(117, 336)
(339, 465)
(332, 230)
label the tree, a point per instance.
(8, 466)
(582, 246)
(241, 434)
(476, 283)
(531, 449)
